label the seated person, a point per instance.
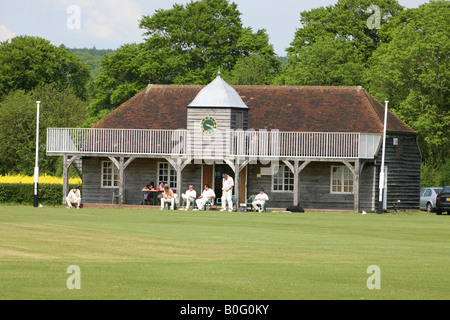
(167, 197)
(260, 200)
(161, 187)
(189, 196)
(74, 196)
(148, 195)
(207, 194)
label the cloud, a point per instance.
(6, 34)
(114, 19)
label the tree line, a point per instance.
(403, 59)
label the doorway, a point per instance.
(219, 169)
(207, 176)
(212, 175)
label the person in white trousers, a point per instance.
(207, 194)
(227, 192)
(168, 197)
(189, 197)
(260, 200)
(74, 196)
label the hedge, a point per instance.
(19, 193)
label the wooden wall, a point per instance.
(315, 192)
(137, 175)
(403, 163)
(213, 146)
(217, 145)
(314, 184)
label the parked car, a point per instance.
(428, 198)
(443, 201)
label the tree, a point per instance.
(120, 78)
(28, 62)
(187, 44)
(60, 108)
(328, 62)
(412, 71)
(335, 42)
(198, 38)
(260, 65)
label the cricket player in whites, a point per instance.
(227, 192)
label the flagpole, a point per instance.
(382, 173)
(36, 167)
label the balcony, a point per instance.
(230, 144)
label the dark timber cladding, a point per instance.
(285, 109)
(403, 162)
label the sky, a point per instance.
(109, 24)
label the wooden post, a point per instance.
(122, 165)
(121, 181)
(179, 166)
(65, 178)
(356, 204)
(356, 174)
(296, 168)
(66, 165)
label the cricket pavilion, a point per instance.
(317, 146)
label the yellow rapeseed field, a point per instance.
(43, 179)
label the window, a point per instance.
(110, 175)
(341, 180)
(239, 120)
(167, 174)
(283, 179)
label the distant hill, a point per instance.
(92, 57)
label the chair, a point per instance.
(264, 206)
(250, 201)
(143, 198)
(234, 200)
(175, 202)
(168, 205)
(154, 198)
(115, 196)
(194, 203)
(219, 202)
(209, 203)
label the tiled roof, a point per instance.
(296, 108)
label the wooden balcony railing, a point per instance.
(304, 144)
(262, 144)
(116, 141)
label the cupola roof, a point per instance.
(218, 94)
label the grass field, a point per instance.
(149, 254)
